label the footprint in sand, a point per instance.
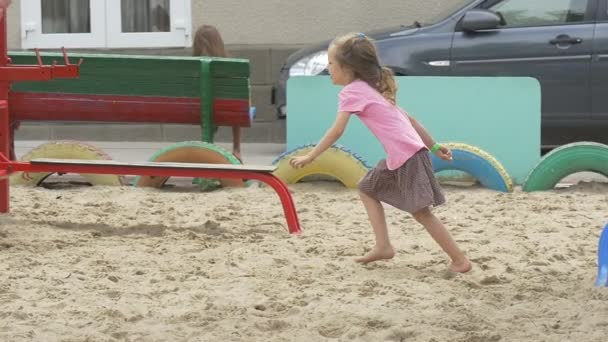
(377, 324)
(332, 330)
(272, 325)
(401, 335)
(493, 280)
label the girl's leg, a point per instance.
(442, 236)
(383, 248)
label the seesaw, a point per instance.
(223, 171)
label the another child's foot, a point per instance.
(463, 266)
(377, 254)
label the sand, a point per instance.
(127, 264)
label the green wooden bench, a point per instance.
(206, 91)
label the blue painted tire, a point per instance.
(602, 260)
(477, 163)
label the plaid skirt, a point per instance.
(411, 187)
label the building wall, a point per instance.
(265, 32)
(14, 26)
(302, 22)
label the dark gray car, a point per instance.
(562, 43)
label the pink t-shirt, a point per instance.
(385, 120)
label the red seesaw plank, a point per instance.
(260, 173)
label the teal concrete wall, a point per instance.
(500, 115)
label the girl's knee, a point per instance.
(364, 196)
(422, 215)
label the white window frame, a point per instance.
(105, 29)
(32, 36)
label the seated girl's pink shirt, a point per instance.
(385, 120)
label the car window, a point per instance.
(454, 7)
(517, 13)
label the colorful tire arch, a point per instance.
(190, 152)
(65, 150)
(566, 160)
(336, 162)
(478, 163)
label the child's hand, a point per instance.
(444, 153)
(301, 161)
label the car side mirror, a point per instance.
(479, 19)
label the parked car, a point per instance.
(562, 43)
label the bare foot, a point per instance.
(377, 254)
(463, 266)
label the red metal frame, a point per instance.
(158, 169)
(10, 73)
(4, 151)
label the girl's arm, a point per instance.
(422, 132)
(330, 137)
(442, 151)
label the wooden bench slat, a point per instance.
(227, 167)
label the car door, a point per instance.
(599, 65)
(550, 40)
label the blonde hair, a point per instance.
(357, 53)
(208, 42)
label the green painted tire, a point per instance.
(566, 160)
(191, 152)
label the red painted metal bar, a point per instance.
(4, 151)
(26, 106)
(10, 73)
(4, 86)
(164, 169)
(25, 73)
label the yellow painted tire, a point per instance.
(190, 152)
(336, 162)
(65, 150)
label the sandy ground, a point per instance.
(126, 264)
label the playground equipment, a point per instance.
(348, 167)
(190, 152)
(479, 111)
(224, 171)
(476, 162)
(207, 92)
(49, 103)
(336, 162)
(566, 160)
(602, 260)
(11, 73)
(65, 150)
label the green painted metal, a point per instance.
(207, 127)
